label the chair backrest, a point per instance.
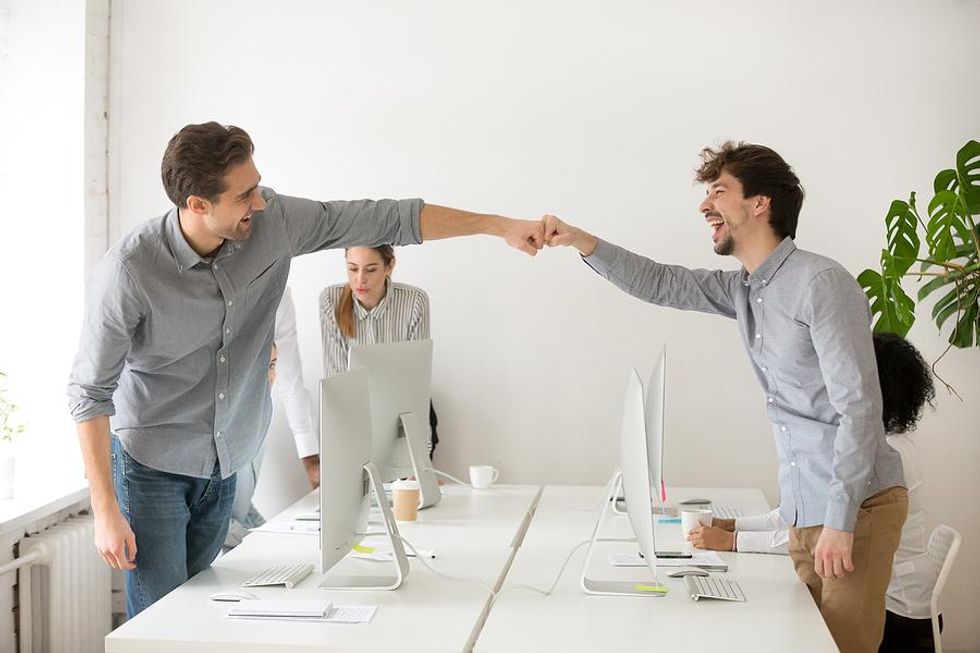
(944, 543)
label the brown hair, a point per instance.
(198, 157)
(761, 172)
(345, 308)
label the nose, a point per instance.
(258, 202)
(705, 205)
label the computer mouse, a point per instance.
(687, 571)
(232, 597)
(694, 502)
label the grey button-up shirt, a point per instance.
(176, 347)
(806, 326)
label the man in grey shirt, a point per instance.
(805, 326)
(176, 338)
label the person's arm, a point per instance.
(837, 312)
(289, 384)
(439, 222)
(657, 283)
(114, 538)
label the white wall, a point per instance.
(595, 111)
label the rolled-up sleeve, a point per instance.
(839, 319)
(312, 225)
(114, 310)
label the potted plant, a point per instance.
(8, 429)
(950, 263)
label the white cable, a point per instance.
(551, 589)
(421, 559)
(450, 477)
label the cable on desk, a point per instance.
(551, 589)
(452, 478)
(421, 559)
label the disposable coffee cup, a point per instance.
(405, 500)
(691, 518)
(483, 476)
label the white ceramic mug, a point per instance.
(691, 518)
(483, 476)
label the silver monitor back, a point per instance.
(634, 463)
(655, 408)
(399, 374)
(345, 448)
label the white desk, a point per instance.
(470, 531)
(778, 616)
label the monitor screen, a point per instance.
(634, 463)
(655, 408)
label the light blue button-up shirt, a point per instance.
(175, 347)
(805, 324)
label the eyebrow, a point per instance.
(250, 190)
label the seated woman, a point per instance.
(906, 386)
(370, 309)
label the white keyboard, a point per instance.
(726, 512)
(707, 587)
(285, 575)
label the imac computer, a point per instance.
(399, 375)
(348, 477)
(634, 477)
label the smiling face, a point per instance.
(366, 275)
(230, 215)
(727, 212)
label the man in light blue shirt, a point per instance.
(804, 322)
(176, 338)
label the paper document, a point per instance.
(704, 559)
(290, 527)
(384, 554)
(305, 611)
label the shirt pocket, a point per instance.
(259, 287)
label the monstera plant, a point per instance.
(950, 264)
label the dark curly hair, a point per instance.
(906, 382)
(198, 157)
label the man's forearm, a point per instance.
(443, 222)
(93, 436)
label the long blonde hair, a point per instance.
(345, 308)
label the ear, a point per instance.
(761, 204)
(391, 267)
(199, 205)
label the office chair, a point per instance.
(943, 545)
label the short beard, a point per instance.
(726, 246)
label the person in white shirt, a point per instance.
(906, 386)
(286, 380)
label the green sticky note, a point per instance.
(640, 587)
(360, 548)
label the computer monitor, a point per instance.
(348, 477)
(399, 375)
(634, 476)
(655, 408)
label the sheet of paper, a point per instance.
(707, 559)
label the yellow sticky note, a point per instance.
(640, 587)
(360, 548)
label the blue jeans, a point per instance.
(179, 522)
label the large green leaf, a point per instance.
(957, 298)
(943, 219)
(892, 310)
(968, 170)
(903, 237)
(964, 307)
(946, 180)
(936, 283)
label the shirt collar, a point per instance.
(765, 272)
(184, 255)
(379, 310)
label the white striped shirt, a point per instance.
(402, 314)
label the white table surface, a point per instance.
(470, 531)
(778, 616)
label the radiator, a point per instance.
(65, 597)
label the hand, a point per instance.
(525, 235)
(115, 540)
(557, 233)
(723, 524)
(709, 537)
(832, 555)
(312, 466)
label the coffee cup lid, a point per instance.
(405, 484)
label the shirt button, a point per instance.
(230, 302)
(227, 330)
(765, 281)
(758, 335)
(771, 400)
(793, 464)
(222, 359)
(765, 369)
(218, 434)
(782, 428)
(221, 395)
(758, 300)
(215, 266)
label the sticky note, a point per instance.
(669, 520)
(640, 587)
(364, 549)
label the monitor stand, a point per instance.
(613, 587)
(389, 582)
(618, 501)
(430, 493)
